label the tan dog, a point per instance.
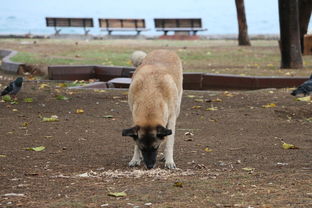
(154, 98)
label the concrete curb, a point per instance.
(120, 77)
(8, 65)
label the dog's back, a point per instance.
(156, 82)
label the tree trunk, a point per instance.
(243, 39)
(289, 34)
(305, 9)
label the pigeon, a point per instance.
(13, 88)
(305, 88)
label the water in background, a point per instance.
(218, 16)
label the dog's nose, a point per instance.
(149, 166)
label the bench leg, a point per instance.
(86, 31)
(110, 32)
(138, 32)
(165, 33)
(57, 31)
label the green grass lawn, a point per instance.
(215, 56)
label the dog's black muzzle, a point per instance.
(149, 157)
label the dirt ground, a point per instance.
(233, 159)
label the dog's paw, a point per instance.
(170, 165)
(134, 163)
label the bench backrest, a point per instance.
(69, 22)
(178, 23)
(122, 23)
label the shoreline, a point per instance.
(142, 37)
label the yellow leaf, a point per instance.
(14, 110)
(50, 119)
(78, 111)
(178, 184)
(2, 156)
(270, 105)
(191, 96)
(306, 99)
(226, 93)
(248, 169)
(117, 194)
(25, 124)
(212, 109)
(196, 107)
(207, 149)
(42, 86)
(99, 91)
(217, 100)
(61, 85)
(289, 146)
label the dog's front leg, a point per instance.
(169, 163)
(136, 159)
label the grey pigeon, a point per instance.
(13, 88)
(305, 88)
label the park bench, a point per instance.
(179, 26)
(111, 25)
(69, 22)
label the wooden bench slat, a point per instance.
(178, 25)
(122, 25)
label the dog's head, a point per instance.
(148, 140)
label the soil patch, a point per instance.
(86, 157)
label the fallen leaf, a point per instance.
(207, 149)
(50, 119)
(79, 111)
(270, 105)
(7, 98)
(196, 107)
(14, 110)
(117, 194)
(61, 85)
(228, 94)
(36, 149)
(178, 184)
(289, 146)
(248, 169)
(212, 109)
(217, 100)
(25, 124)
(28, 100)
(99, 91)
(108, 116)
(61, 97)
(2, 156)
(188, 133)
(191, 96)
(306, 99)
(42, 86)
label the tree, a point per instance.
(289, 34)
(243, 38)
(305, 9)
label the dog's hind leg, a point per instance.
(169, 163)
(136, 159)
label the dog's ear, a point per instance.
(132, 132)
(162, 131)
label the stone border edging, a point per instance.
(119, 76)
(8, 65)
